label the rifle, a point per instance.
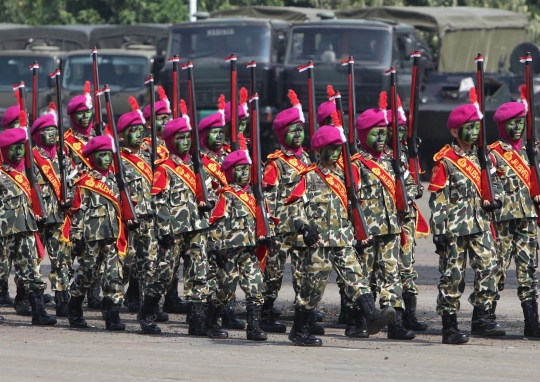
(234, 103)
(61, 153)
(485, 162)
(252, 90)
(150, 82)
(175, 62)
(353, 144)
(532, 154)
(412, 142)
(401, 192)
(35, 71)
(98, 118)
(128, 211)
(38, 207)
(311, 105)
(198, 166)
(361, 229)
(262, 226)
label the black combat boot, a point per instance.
(356, 324)
(319, 317)
(75, 313)
(173, 303)
(132, 299)
(450, 332)
(254, 331)
(268, 319)
(484, 324)
(277, 311)
(530, 312)
(147, 315)
(196, 319)
(396, 330)
(229, 319)
(112, 318)
(211, 326)
(161, 316)
(61, 299)
(47, 298)
(493, 309)
(410, 321)
(5, 298)
(93, 300)
(314, 327)
(299, 333)
(39, 315)
(21, 303)
(375, 319)
(342, 319)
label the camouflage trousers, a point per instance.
(380, 262)
(275, 267)
(406, 257)
(481, 249)
(59, 253)
(20, 250)
(242, 267)
(100, 257)
(518, 240)
(6, 263)
(193, 247)
(318, 266)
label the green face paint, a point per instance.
(469, 132)
(103, 159)
(376, 139)
(215, 137)
(83, 118)
(16, 152)
(48, 136)
(330, 154)
(389, 136)
(242, 174)
(132, 136)
(14, 124)
(161, 121)
(294, 137)
(182, 142)
(242, 126)
(402, 131)
(515, 128)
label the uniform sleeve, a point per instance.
(79, 206)
(271, 185)
(299, 217)
(161, 203)
(217, 220)
(438, 201)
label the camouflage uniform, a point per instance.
(95, 222)
(456, 210)
(516, 227)
(282, 182)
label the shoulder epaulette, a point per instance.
(311, 167)
(442, 153)
(275, 155)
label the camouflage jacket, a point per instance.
(279, 181)
(162, 152)
(139, 180)
(75, 157)
(324, 210)
(175, 203)
(377, 202)
(516, 199)
(456, 205)
(217, 178)
(94, 215)
(16, 215)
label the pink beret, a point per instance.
(79, 103)
(100, 143)
(390, 117)
(42, 122)
(212, 120)
(288, 117)
(241, 112)
(178, 125)
(12, 136)
(463, 114)
(371, 118)
(235, 158)
(129, 119)
(508, 111)
(326, 135)
(325, 111)
(10, 115)
(162, 107)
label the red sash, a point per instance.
(214, 168)
(142, 167)
(515, 162)
(22, 181)
(386, 179)
(77, 146)
(467, 168)
(184, 172)
(97, 186)
(162, 151)
(336, 185)
(292, 161)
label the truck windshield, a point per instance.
(120, 72)
(369, 46)
(251, 42)
(17, 68)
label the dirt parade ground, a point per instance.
(60, 353)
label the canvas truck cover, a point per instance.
(289, 14)
(65, 37)
(492, 32)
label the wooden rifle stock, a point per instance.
(61, 153)
(234, 102)
(175, 89)
(352, 138)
